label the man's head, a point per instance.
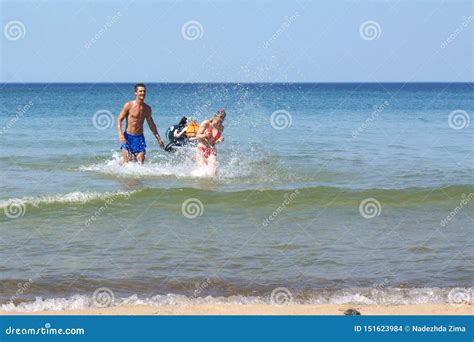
(220, 116)
(140, 91)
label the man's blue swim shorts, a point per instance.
(135, 143)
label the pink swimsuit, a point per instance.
(207, 150)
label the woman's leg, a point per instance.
(212, 164)
(200, 157)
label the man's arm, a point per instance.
(123, 114)
(151, 124)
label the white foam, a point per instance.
(390, 296)
(365, 296)
(83, 302)
(72, 197)
(351, 299)
(158, 166)
(179, 165)
(40, 304)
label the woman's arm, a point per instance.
(221, 139)
(201, 133)
(179, 135)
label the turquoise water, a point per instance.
(290, 207)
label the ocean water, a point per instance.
(325, 193)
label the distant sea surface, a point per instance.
(331, 193)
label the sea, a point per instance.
(343, 193)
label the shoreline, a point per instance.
(262, 309)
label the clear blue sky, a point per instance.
(240, 41)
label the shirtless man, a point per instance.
(132, 139)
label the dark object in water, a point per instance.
(176, 142)
(351, 312)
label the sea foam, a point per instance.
(355, 296)
(179, 165)
(72, 197)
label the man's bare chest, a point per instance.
(137, 113)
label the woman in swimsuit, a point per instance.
(209, 135)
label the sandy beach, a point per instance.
(264, 309)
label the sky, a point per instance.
(236, 41)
